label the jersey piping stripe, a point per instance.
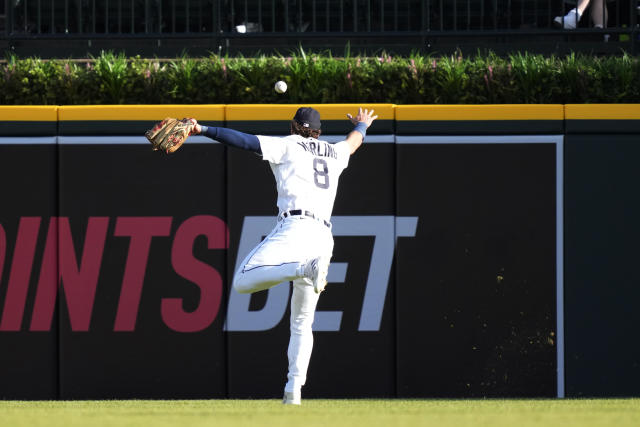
(269, 265)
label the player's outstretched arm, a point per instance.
(231, 137)
(362, 121)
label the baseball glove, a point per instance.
(168, 135)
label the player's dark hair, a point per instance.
(298, 129)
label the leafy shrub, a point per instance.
(320, 78)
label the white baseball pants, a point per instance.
(281, 257)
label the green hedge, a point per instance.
(319, 78)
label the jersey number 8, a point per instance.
(320, 173)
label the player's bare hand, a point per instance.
(364, 116)
(197, 129)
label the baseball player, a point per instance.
(300, 246)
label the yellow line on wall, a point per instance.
(29, 113)
(140, 112)
(480, 112)
(602, 111)
(248, 112)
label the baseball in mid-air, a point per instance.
(280, 87)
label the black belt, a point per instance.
(295, 212)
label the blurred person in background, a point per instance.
(598, 15)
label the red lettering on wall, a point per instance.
(3, 252)
(47, 282)
(75, 274)
(21, 266)
(3, 249)
(78, 283)
(203, 275)
(141, 230)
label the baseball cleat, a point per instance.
(291, 398)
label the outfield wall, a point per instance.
(481, 251)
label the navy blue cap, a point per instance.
(308, 117)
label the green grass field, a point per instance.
(323, 413)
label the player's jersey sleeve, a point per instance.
(344, 153)
(274, 149)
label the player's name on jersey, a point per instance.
(319, 148)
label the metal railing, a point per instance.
(295, 18)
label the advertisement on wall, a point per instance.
(115, 268)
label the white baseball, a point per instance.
(280, 87)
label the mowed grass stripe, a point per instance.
(324, 413)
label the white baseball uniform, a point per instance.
(306, 172)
